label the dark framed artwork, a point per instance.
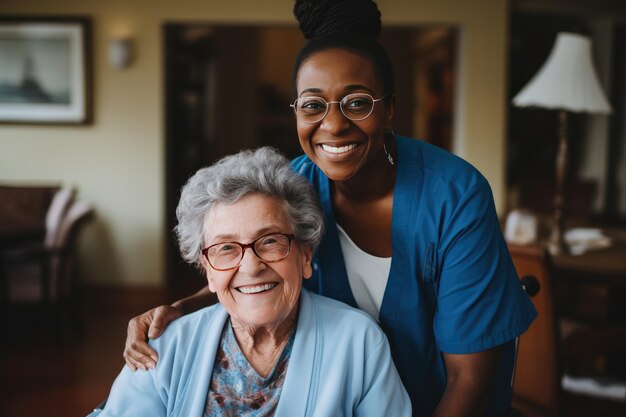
(45, 70)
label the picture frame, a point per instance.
(45, 70)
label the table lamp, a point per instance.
(566, 82)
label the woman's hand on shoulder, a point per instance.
(137, 353)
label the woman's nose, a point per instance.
(249, 261)
(335, 121)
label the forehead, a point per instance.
(337, 68)
(246, 219)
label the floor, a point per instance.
(40, 376)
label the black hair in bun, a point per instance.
(351, 25)
(331, 18)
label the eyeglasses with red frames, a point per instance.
(224, 256)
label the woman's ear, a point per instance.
(307, 258)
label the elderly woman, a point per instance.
(268, 348)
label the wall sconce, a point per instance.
(120, 52)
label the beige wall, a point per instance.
(118, 161)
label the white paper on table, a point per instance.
(583, 239)
(595, 387)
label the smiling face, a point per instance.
(256, 294)
(338, 146)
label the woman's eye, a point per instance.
(358, 103)
(312, 105)
(225, 248)
(268, 241)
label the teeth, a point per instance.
(257, 288)
(341, 149)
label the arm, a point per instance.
(137, 353)
(384, 394)
(469, 379)
(134, 394)
(481, 308)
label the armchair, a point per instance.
(43, 273)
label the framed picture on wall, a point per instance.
(45, 70)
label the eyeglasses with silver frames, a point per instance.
(224, 256)
(357, 106)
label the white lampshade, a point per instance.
(567, 80)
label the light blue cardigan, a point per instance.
(340, 365)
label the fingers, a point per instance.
(155, 330)
(162, 317)
(134, 364)
(137, 353)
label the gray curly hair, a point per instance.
(264, 171)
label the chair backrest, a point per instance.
(56, 213)
(63, 248)
(538, 375)
(77, 213)
(24, 208)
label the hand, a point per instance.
(137, 353)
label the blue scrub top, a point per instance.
(452, 286)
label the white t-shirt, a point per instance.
(367, 275)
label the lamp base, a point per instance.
(556, 243)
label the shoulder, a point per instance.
(341, 321)
(184, 331)
(439, 167)
(329, 306)
(186, 342)
(440, 182)
(192, 320)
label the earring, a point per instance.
(389, 157)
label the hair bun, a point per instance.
(329, 18)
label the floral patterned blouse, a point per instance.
(236, 389)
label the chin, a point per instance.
(338, 173)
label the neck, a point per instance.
(262, 345)
(374, 181)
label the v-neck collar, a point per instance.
(334, 277)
